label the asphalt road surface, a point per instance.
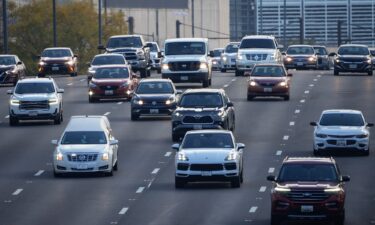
(142, 191)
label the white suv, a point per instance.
(86, 145)
(35, 99)
(256, 49)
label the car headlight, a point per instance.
(125, 84)
(41, 63)
(138, 101)
(312, 59)
(165, 66)
(283, 84)
(59, 156)
(182, 157)
(105, 156)
(335, 190)
(224, 58)
(170, 101)
(69, 63)
(11, 70)
(362, 136)
(53, 101)
(14, 102)
(253, 83)
(369, 61)
(178, 115)
(337, 60)
(141, 55)
(282, 189)
(289, 59)
(214, 62)
(240, 56)
(220, 113)
(203, 65)
(272, 57)
(231, 156)
(92, 85)
(319, 135)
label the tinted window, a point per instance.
(34, 88)
(300, 51)
(7, 60)
(108, 60)
(208, 140)
(111, 73)
(257, 43)
(83, 138)
(353, 50)
(155, 88)
(342, 119)
(217, 53)
(185, 48)
(153, 47)
(232, 48)
(268, 71)
(124, 42)
(201, 100)
(308, 172)
(56, 53)
(320, 50)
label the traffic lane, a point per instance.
(350, 92)
(260, 127)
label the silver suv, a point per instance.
(35, 99)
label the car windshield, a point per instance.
(257, 43)
(200, 100)
(268, 71)
(372, 52)
(56, 53)
(84, 138)
(342, 119)
(217, 52)
(155, 88)
(320, 50)
(232, 48)
(308, 172)
(34, 88)
(153, 47)
(185, 48)
(7, 60)
(300, 51)
(353, 50)
(108, 60)
(111, 73)
(208, 140)
(120, 42)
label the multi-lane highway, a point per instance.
(142, 191)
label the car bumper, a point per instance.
(108, 94)
(70, 167)
(59, 69)
(302, 65)
(181, 129)
(48, 114)
(267, 91)
(185, 77)
(348, 67)
(6, 78)
(153, 110)
(341, 144)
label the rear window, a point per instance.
(208, 140)
(83, 138)
(257, 43)
(308, 172)
(342, 119)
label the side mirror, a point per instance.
(54, 142)
(332, 54)
(280, 46)
(283, 53)
(211, 54)
(19, 63)
(88, 64)
(9, 92)
(271, 178)
(89, 77)
(370, 124)
(230, 104)
(179, 92)
(113, 142)
(76, 56)
(345, 178)
(290, 75)
(160, 55)
(240, 146)
(313, 124)
(60, 91)
(176, 146)
(38, 56)
(101, 47)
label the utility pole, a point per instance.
(301, 29)
(178, 24)
(54, 23)
(5, 26)
(100, 22)
(339, 22)
(261, 16)
(284, 27)
(157, 25)
(131, 25)
(192, 18)
(105, 12)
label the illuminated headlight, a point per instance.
(203, 65)
(14, 102)
(70, 63)
(220, 113)
(231, 156)
(283, 84)
(282, 189)
(253, 83)
(177, 114)
(53, 101)
(337, 60)
(138, 101)
(105, 156)
(182, 157)
(335, 190)
(362, 136)
(240, 56)
(224, 58)
(170, 101)
(41, 63)
(165, 66)
(91, 93)
(59, 156)
(214, 62)
(11, 70)
(319, 135)
(312, 59)
(369, 61)
(288, 59)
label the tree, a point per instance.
(77, 28)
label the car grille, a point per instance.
(348, 142)
(182, 166)
(109, 87)
(198, 119)
(350, 60)
(313, 196)
(206, 167)
(157, 60)
(87, 157)
(184, 66)
(230, 166)
(153, 102)
(29, 105)
(341, 136)
(267, 84)
(256, 57)
(130, 55)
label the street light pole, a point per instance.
(5, 26)
(54, 23)
(100, 22)
(284, 27)
(192, 18)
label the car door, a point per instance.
(114, 148)
(229, 109)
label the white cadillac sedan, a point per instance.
(341, 129)
(209, 155)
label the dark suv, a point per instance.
(308, 189)
(57, 61)
(202, 109)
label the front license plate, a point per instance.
(197, 127)
(300, 64)
(33, 113)
(341, 143)
(353, 66)
(267, 89)
(206, 173)
(184, 78)
(55, 68)
(82, 166)
(154, 111)
(108, 92)
(307, 208)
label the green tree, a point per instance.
(77, 27)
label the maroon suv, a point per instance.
(308, 189)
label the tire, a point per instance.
(175, 137)
(236, 182)
(58, 119)
(241, 176)
(370, 73)
(250, 97)
(92, 99)
(148, 72)
(335, 72)
(316, 152)
(223, 70)
(340, 220)
(286, 98)
(13, 121)
(143, 73)
(134, 116)
(73, 74)
(109, 174)
(210, 82)
(41, 75)
(238, 73)
(179, 182)
(158, 71)
(115, 167)
(15, 81)
(205, 83)
(275, 220)
(366, 153)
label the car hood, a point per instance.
(268, 79)
(153, 96)
(234, 54)
(183, 58)
(81, 148)
(257, 50)
(33, 97)
(300, 56)
(108, 81)
(204, 155)
(308, 185)
(197, 110)
(340, 130)
(2, 67)
(124, 49)
(55, 59)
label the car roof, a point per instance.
(258, 36)
(113, 65)
(319, 46)
(87, 123)
(186, 40)
(218, 49)
(7, 55)
(203, 90)
(234, 43)
(269, 64)
(155, 80)
(353, 45)
(58, 48)
(209, 131)
(108, 54)
(334, 111)
(300, 46)
(309, 160)
(125, 35)
(35, 80)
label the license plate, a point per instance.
(300, 64)
(307, 208)
(82, 166)
(267, 89)
(33, 113)
(341, 143)
(108, 92)
(55, 68)
(197, 127)
(154, 111)
(184, 78)
(206, 173)
(353, 66)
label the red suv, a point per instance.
(308, 189)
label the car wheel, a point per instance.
(206, 83)
(366, 153)
(370, 73)
(73, 74)
(179, 182)
(238, 73)
(210, 82)
(175, 137)
(275, 220)
(92, 99)
(13, 121)
(143, 73)
(41, 75)
(335, 72)
(134, 116)
(236, 182)
(148, 72)
(241, 176)
(316, 152)
(115, 167)
(58, 118)
(286, 98)
(340, 220)
(159, 71)
(15, 81)
(250, 97)
(223, 70)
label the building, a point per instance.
(319, 20)
(242, 18)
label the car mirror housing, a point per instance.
(240, 146)
(176, 146)
(113, 142)
(370, 124)
(332, 54)
(230, 104)
(9, 92)
(160, 54)
(19, 63)
(271, 178)
(289, 74)
(345, 178)
(101, 47)
(179, 92)
(60, 91)
(313, 124)
(54, 142)
(211, 54)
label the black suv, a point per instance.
(202, 109)
(308, 189)
(352, 58)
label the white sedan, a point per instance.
(209, 155)
(341, 130)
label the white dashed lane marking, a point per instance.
(140, 190)
(279, 152)
(306, 92)
(311, 85)
(271, 170)
(262, 189)
(6, 117)
(292, 123)
(82, 80)
(302, 101)
(155, 171)
(17, 192)
(226, 85)
(234, 79)
(123, 211)
(37, 174)
(315, 79)
(119, 103)
(70, 84)
(297, 111)
(286, 137)
(253, 209)
(107, 113)
(167, 154)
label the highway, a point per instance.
(142, 191)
